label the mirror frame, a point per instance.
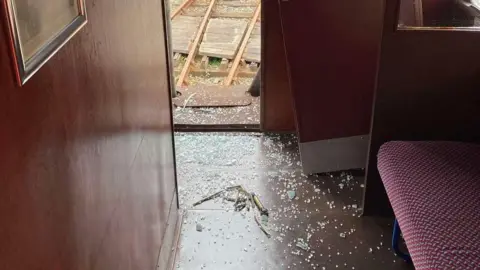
(25, 69)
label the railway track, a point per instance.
(214, 39)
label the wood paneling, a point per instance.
(86, 161)
(332, 53)
(277, 105)
(427, 89)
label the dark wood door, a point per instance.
(332, 49)
(87, 177)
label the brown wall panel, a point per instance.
(86, 161)
(277, 106)
(427, 89)
(332, 53)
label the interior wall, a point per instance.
(86, 162)
(332, 53)
(427, 89)
(277, 104)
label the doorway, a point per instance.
(215, 48)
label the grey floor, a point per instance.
(324, 213)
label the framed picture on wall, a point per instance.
(38, 29)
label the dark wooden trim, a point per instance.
(276, 99)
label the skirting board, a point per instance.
(334, 154)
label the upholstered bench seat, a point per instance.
(434, 190)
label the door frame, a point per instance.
(171, 85)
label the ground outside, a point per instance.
(217, 52)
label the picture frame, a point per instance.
(38, 31)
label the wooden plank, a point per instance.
(223, 38)
(253, 50)
(184, 30)
(177, 11)
(236, 62)
(193, 50)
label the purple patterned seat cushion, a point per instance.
(434, 189)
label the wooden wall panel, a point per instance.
(332, 53)
(277, 105)
(427, 89)
(86, 161)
